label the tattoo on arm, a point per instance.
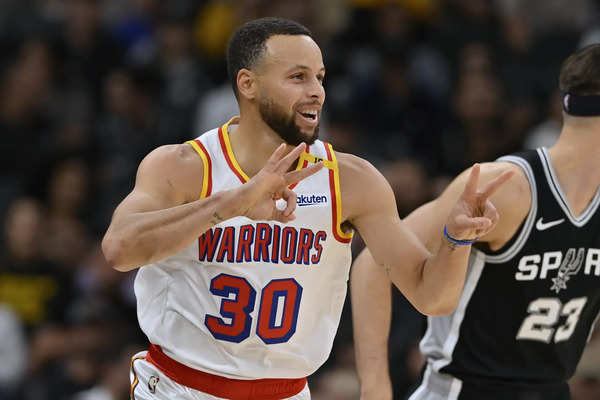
(388, 269)
(216, 218)
(450, 245)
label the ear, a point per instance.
(246, 83)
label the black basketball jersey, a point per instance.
(527, 310)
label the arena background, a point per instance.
(421, 88)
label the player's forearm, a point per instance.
(443, 278)
(371, 315)
(141, 238)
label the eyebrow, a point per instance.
(300, 66)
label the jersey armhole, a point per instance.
(207, 178)
(513, 246)
(336, 198)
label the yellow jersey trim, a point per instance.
(338, 195)
(206, 163)
(228, 148)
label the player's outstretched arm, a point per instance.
(371, 303)
(371, 318)
(163, 214)
(432, 282)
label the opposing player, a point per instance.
(532, 292)
(243, 235)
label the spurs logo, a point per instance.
(152, 382)
(570, 265)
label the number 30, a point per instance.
(286, 291)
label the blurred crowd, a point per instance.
(421, 88)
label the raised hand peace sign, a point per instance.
(474, 215)
(271, 182)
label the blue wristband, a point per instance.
(456, 241)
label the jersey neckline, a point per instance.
(560, 196)
(229, 155)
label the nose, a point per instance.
(316, 91)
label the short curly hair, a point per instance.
(247, 44)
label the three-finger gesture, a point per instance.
(474, 215)
(272, 182)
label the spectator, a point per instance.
(33, 286)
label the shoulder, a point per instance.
(516, 188)
(177, 169)
(179, 159)
(515, 195)
(352, 167)
(362, 186)
(512, 200)
(517, 185)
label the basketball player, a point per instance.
(532, 292)
(243, 235)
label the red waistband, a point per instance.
(234, 389)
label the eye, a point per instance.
(299, 76)
(320, 78)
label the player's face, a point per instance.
(291, 91)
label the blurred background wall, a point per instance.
(421, 88)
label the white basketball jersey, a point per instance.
(253, 299)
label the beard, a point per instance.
(284, 125)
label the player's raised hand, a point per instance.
(271, 183)
(474, 215)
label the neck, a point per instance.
(253, 142)
(580, 137)
(574, 157)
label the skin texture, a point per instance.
(578, 170)
(372, 308)
(163, 215)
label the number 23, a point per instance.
(544, 314)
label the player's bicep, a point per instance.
(140, 200)
(388, 238)
(167, 177)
